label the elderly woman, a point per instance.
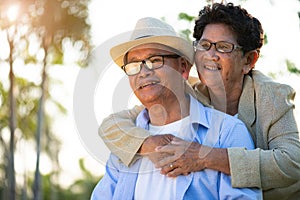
(228, 41)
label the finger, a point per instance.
(176, 172)
(166, 161)
(177, 140)
(158, 148)
(156, 157)
(166, 169)
(169, 137)
(166, 149)
(180, 142)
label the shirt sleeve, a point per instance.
(240, 139)
(121, 136)
(106, 186)
(226, 191)
(236, 136)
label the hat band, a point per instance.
(144, 36)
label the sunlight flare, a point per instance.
(13, 12)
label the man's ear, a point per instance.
(251, 58)
(185, 68)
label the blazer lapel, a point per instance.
(247, 112)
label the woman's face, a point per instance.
(216, 69)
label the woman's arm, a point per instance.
(127, 141)
(121, 135)
(277, 166)
(276, 161)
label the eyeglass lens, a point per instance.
(221, 46)
(153, 62)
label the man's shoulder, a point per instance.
(115, 163)
(221, 117)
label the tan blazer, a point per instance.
(266, 108)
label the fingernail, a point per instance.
(158, 148)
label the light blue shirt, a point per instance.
(211, 128)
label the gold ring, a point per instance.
(171, 165)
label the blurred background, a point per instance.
(46, 45)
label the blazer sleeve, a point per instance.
(276, 161)
(121, 136)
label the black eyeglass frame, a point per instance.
(197, 42)
(143, 62)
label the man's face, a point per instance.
(218, 69)
(157, 85)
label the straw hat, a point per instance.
(151, 30)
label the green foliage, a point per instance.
(79, 190)
(186, 33)
(56, 57)
(265, 39)
(84, 187)
(4, 107)
(291, 67)
(186, 17)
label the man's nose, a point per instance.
(145, 71)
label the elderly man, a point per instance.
(157, 63)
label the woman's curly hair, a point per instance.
(247, 29)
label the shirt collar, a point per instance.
(197, 115)
(143, 119)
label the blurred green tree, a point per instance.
(52, 23)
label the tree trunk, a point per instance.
(12, 126)
(40, 121)
(37, 195)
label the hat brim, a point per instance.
(181, 45)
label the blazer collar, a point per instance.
(246, 107)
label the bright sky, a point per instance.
(110, 18)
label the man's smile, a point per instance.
(146, 84)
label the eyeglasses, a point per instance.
(221, 46)
(152, 63)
